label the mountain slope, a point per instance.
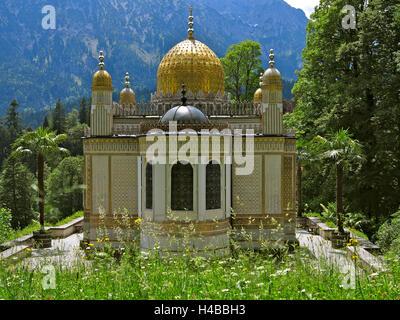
(39, 66)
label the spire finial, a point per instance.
(127, 83)
(191, 30)
(271, 57)
(183, 99)
(101, 59)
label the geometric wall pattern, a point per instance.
(288, 185)
(247, 189)
(124, 184)
(100, 183)
(273, 168)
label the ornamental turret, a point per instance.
(101, 116)
(272, 102)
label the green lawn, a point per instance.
(333, 225)
(36, 226)
(248, 275)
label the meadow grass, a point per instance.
(246, 275)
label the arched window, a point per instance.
(149, 186)
(182, 187)
(213, 186)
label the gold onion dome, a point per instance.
(272, 76)
(193, 63)
(127, 96)
(102, 78)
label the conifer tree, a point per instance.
(16, 192)
(58, 118)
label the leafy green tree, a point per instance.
(41, 143)
(351, 79)
(342, 151)
(74, 139)
(58, 118)
(16, 192)
(303, 157)
(72, 119)
(65, 186)
(242, 66)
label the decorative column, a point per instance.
(159, 189)
(201, 191)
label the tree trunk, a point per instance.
(339, 196)
(40, 165)
(299, 200)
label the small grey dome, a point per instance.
(184, 113)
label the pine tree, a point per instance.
(45, 122)
(16, 192)
(58, 118)
(13, 121)
(83, 113)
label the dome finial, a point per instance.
(127, 83)
(191, 30)
(271, 56)
(183, 99)
(101, 59)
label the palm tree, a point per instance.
(340, 148)
(40, 143)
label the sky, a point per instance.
(306, 5)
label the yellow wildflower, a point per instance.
(355, 257)
(245, 269)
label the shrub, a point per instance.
(5, 224)
(389, 234)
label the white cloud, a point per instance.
(306, 5)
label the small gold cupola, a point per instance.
(102, 79)
(272, 76)
(258, 94)
(101, 117)
(272, 102)
(127, 96)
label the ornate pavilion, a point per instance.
(184, 204)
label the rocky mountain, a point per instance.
(38, 66)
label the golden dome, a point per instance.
(127, 96)
(102, 78)
(258, 96)
(272, 76)
(193, 63)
